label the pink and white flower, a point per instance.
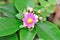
(30, 20)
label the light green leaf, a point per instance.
(48, 31)
(47, 10)
(10, 37)
(8, 26)
(19, 16)
(8, 10)
(25, 34)
(22, 4)
(43, 2)
(50, 9)
(40, 39)
(52, 2)
(21, 26)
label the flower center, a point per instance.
(29, 20)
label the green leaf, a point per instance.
(47, 31)
(22, 26)
(50, 9)
(47, 10)
(8, 26)
(8, 10)
(43, 2)
(19, 16)
(52, 2)
(10, 37)
(25, 34)
(22, 4)
(40, 39)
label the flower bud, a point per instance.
(30, 9)
(40, 18)
(24, 12)
(39, 11)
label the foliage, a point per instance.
(12, 23)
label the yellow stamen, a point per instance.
(29, 20)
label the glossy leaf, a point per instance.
(22, 4)
(8, 10)
(10, 37)
(8, 26)
(25, 34)
(48, 31)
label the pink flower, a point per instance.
(30, 20)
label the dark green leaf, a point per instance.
(48, 31)
(22, 4)
(8, 10)
(25, 34)
(10, 37)
(8, 26)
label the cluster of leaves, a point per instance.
(9, 24)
